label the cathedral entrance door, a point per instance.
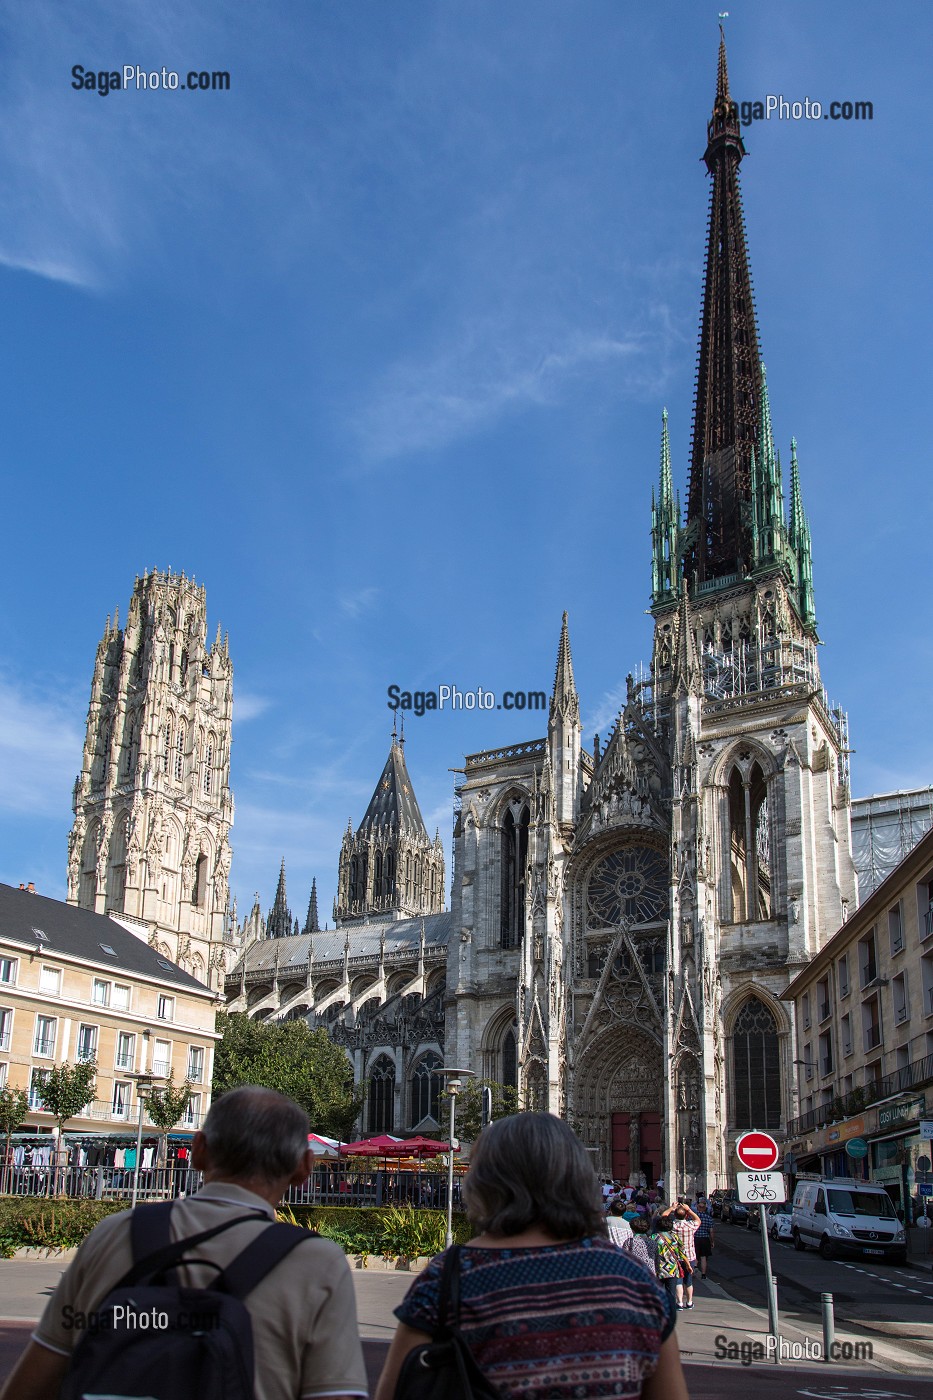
(651, 1157)
(621, 1146)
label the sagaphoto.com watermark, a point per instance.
(777, 107)
(748, 1351)
(132, 78)
(451, 697)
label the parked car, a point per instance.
(715, 1201)
(779, 1221)
(734, 1211)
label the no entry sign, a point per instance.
(757, 1151)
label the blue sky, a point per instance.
(376, 345)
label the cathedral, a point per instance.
(625, 917)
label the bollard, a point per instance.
(829, 1325)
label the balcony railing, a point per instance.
(5, 1038)
(916, 1075)
(872, 1037)
(44, 1047)
(124, 1061)
(928, 922)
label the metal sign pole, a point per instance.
(769, 1277)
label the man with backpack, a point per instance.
(258, 1310)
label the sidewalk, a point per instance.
(713, 1333)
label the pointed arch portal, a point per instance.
(619, 1101)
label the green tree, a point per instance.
(64, 1093)
(289, 1056)
(67, 1090)
(164, 1106)
(14, 1105)
(468, 1116)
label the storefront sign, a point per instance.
(853, 1128)
(857, 1148)
(895, 1113)
(926, 1130)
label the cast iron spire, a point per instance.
(717, 541)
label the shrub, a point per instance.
(49, 1223)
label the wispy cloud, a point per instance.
(40, 752)
(607, 708)
(357, 602)
(426, 403)
(247, 706)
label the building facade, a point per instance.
(152, 803)
(863, 1009)
(76, 985)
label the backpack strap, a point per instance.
(260, 1257)
(448, 1306)
(166, 1256)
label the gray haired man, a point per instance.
(254, 1145)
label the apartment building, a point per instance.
(76, 985)
(864, 1039)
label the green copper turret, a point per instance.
(664, 524)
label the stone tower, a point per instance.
(761, 869)
(623, 923)
(152, 803)
(390, 866)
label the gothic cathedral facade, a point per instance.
(152, 803)
(624, 922)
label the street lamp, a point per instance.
(145, 1083)
(454, 1078)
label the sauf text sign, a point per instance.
(761, 1188)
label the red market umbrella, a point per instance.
(420, 1147)
(371, 1147)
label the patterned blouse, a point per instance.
(553, 1322)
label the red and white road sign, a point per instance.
(757, 1151)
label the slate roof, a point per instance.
(80, 933)
(401, 935)
(394, 802)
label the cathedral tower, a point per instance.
(152, 803)
(390, 866)
(762, 872)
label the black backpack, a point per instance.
(444, 1368)
(152, 1338)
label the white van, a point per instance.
(839, 1215)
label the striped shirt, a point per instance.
(565, 1321)
(685, 1230)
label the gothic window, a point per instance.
(377, 875)
(166, 745)
(433, 884)
(408, 878)
(417, 888)
(426, 1090)
(180, 753)
(509, 1060)
(199, 892)
(536, 1087)
(594, 962)
(628, 886)
(183, 666)
(358, 880)
(749, 845)
(514, 863)
(389, 874)
(208, 765)
(756, 1071)
(382, 1096)
(88, 889)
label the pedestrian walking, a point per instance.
(704, 1239)
(686, 1222)
(620, 1231)
(673, 1266)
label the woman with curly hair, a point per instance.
(548, 1306)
